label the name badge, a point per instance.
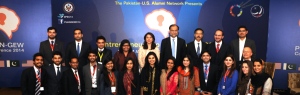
(205, 80)
(99, 62)
(223, 87)
(113, 89)
(41, 88)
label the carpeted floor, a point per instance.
(10, 91)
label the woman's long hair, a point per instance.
(232, 67)
(191, 65)
(153, 45)
(250, 70)
(124, 69)
(173, 69)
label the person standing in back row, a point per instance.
(172, 46)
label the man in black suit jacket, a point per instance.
(195, 47)
(218, 50)
(102, 52)
(54, 73)
(172, 42)
(91, 75)
(78, 49)
(237, 45)
(33, 76)
(72, 80)
(208, 73)
(50, 45)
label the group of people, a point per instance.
(196, 68)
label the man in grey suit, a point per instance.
(237, 45)
(91, 75)
(47, 47)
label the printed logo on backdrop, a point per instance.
(68, 7)
(257, 11)
(9, 23)
(237, 9)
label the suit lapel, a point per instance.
(82, 48)
(74, 48)
(194, 51)
(48, 45)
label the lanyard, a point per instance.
(111, 78)
(100, 56)
(226, 75)
(95, 68)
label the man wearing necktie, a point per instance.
(54, 72)
(72, 80)
(195, 47)
(47, 47)
(218, 50)
(91, 75)
(33, 79)
(208, 73)
(78, 48)
(172, 46)
(101, 51)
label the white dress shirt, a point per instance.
(216, 44)
(55, 68)
(241, 47)
(94, 76)
(77, 76)
(196, 45)
(175, 40)
(80, 45)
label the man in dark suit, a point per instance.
(50, 45)
(91, 75)
(208, 73)
(237, 45)
(78, 48)
(195, 47)
(219, 50)
(172, 46)
(54, 73)
(102, 52)
(72, 80)
(34, 79)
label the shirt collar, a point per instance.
(55, 66)
(100, 49)
(80, 42)
(219, 43)
(206, 64)
(242, 40)
(51, 40)
(196, 42)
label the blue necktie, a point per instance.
(205, 72)
(173, 48)
(198, 49)
(78, 49)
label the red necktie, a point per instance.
(218, 48)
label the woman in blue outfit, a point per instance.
(228, 81)
(108, 84)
